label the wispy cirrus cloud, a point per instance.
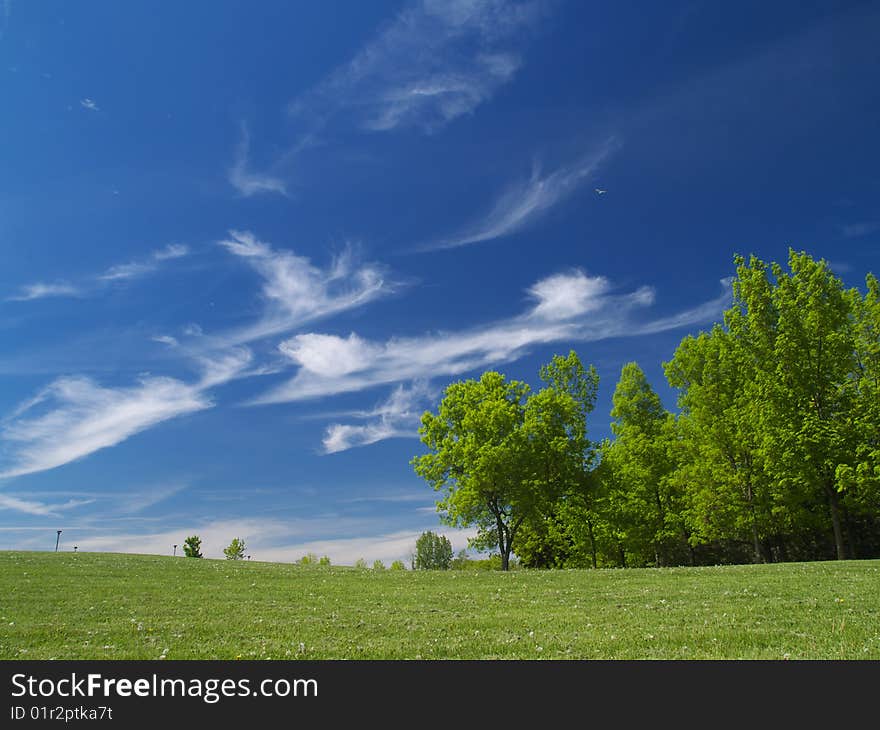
(295, 291)
(524, 202)
(116, 273)
(398, 416)
(171, 251)
(435, 62)
(41, 290)
(89, 104)
(330, 364)
(135, 269)
(5, 15)
(247, 181)
(74, 416)
(855, 230)
(33, 507)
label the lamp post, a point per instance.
(57, 540)
(175, 551)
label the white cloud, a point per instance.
(593, 314)
(81, 417)
(89, 104)
(116, 273)
(31, 507)
(523, 203)
(435, 62)
(568, 295)
(296, 291)
(396, 417)
(854, 230)
(166, 340)
(127, 271)
(171, 251)
(246, 181)
(40, 290)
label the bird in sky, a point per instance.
(600, 191)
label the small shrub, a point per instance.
(235, 550)
(192, 547)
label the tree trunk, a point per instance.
(755, 538)
(847, 531)
(505, 559)
(592, 542)
(834, 505)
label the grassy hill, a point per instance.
(113, 606)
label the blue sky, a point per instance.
(245, 245)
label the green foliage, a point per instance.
(235, 549)
(308, 559)
(460, 561)
(192, 547)
(398, 565)
(774, 454)
(778, 431)
(360, 564)
(325, 561)
(501, 455)
(378, 565)
(433, 552)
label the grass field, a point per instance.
(112, 606)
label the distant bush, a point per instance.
(235, 550)
(490, 562)
(398, 565)
(192, 547)
(360, 564)
(378, 565)
(324, 560)
(309, 559)
(433, 552)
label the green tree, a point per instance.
(501, 455)
(433, 552)
(360, 564)
(325, 560)
(398, 565)
(639, 463)
(720, 463)
(235, 550)
(308, 559)
(799, 327)
(192, 547)
(378, 565)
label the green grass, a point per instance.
(112, 606)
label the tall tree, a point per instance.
(501, 454)
(720, 465)
(799, 330)
(638, 468)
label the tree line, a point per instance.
(773, 453)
